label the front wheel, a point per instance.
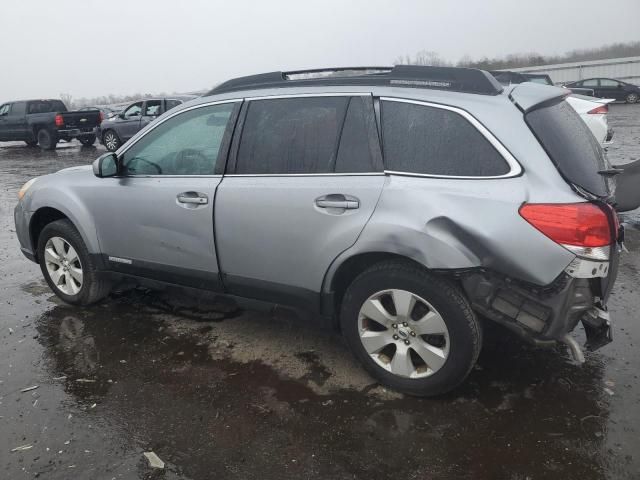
(632, 98)
(67, 266)
(87, 141)
(111, 141)
(413, 331)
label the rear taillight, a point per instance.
(100, 117)
(59, 121)
(580, 227)
(602, 109)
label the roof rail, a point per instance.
(468, 80)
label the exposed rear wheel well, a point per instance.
(357, 264)
(41, 219)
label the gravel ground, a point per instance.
(218, 392)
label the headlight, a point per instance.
(25, 187)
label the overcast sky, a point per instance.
(97, 47)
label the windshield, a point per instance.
(570, 145)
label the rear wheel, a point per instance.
(111, 141)
(67, 266)
(46, 139)
(87, 141)
(412, 331)
(632, 98)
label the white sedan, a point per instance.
(594, 113)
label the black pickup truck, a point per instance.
(46, 122)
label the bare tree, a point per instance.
(67, 99)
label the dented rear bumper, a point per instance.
(545, 315)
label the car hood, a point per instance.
(78, 168)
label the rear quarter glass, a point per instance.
(570, 145)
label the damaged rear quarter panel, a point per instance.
(462, 224)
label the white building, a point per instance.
(626, 69)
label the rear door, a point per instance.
(304, 178)
(152, 109)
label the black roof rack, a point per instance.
(468, 80)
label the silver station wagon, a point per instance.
(403, 206)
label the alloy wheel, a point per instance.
(111, 141)
(63, 265)
(403, 333)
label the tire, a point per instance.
(111, 140)
(46, 139)
(31, 143)
(631, 98)
(58, 240)
(87, 141)
(438, 306)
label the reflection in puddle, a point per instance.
(185, 389)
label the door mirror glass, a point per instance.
(106, 165)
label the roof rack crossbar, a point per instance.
(466, 80)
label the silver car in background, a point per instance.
(403, 207)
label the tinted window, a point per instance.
(605, 82)
(172, 103)
(18, 109)
(133, 111)
(290, 135)
(4, 109)
(187, 144)
(46, 106)
(434, 141)
(570, 144)
(590, 83)
(152, 108)
(357, 148)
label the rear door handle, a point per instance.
(337, 201)
(196, 198)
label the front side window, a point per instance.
(187, 144)
(133, 111)
(290, 135)
(434, 141)
(4, 109)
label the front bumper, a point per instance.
(22, 220)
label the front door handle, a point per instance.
(337, 200)
(196, 198)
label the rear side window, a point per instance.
(290, 135)
(434, 141)
(172, 103)
(46, 106)
(570, 145)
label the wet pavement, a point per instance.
(221, 393)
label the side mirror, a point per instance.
(106, 165)
(121, 115)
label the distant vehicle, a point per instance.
(107, 112)
(124, 125)
(507, 77)
(593, 111)
(609, 88)
(46, 122)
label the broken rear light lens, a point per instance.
(601, 109)
(572, 224)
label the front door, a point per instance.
(303, 184)
(156, 218)
(129, 123)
